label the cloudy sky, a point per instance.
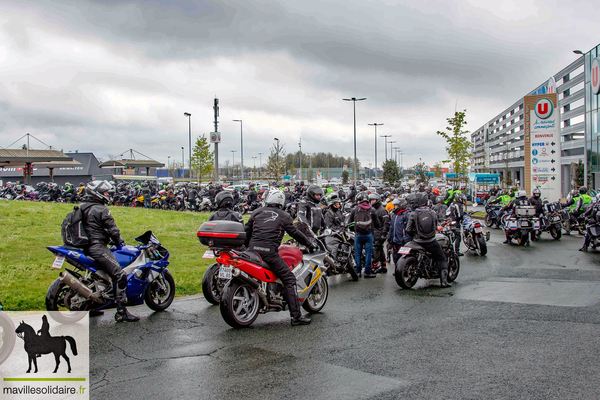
(106, 76)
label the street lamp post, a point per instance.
(277, 161)
(254, 158)
(375, 124)
(386, 136)
(233, 165)
(300, 145)
(391, 143)
(354, 100)
(190, 131)
(182, 164)
(242, 146)
(169, 164)
(260, 165)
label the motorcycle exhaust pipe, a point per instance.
(329, 260)
(70, 280)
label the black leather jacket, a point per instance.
(225, 214)
(99, 223)
(266, 227)
(333, 219)
(311, 214)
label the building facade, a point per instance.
(498, 145)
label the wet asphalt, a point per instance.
(519, 323)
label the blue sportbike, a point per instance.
(87, 288)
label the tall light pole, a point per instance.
(169, 165)
(386, 136)
(375, 124)
(396, 149)
(254, 158)
(233, 165)
(190, 123)
(354, 100)
(242, 146)
(260, 165)
(182, 164)
(391, 143)
(300, 145)
(277, 161)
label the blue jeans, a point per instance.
(361, 241)
(147, 202)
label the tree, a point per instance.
(202, 158)
(345, 176)
(420, 173)
(579, 173)
(438, 171)
(276, 162)
(459, 145)
(391, 173)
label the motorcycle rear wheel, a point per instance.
(481, 245)
(54, 299)
(239, 304)
(405, 275)
(555, 233)
(522, 238)
(351, 266)
(210, 289)
(318, 296)
(157, 298)
(7, 336)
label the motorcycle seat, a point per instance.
(252, 257)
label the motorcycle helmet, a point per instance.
(460, 198)
(583, 190)
(376, 197)
(521, 193)
(412, 201)
(361, 198)
(333, 199)
(313, 191)
(439, 199)
(286, 189)
(99, 190)
(224, 199)
(436, 191)
(400, 203)
(352, 187)
(420, 199)
(536, 193)
(275, 197)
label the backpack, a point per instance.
(426, 224)
(363, 222)
(72, 229)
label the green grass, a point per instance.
(27, 228)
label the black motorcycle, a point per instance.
(416, 262)
(340, 245)
(522, 224)
(550, 221)
(492, 215)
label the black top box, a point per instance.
(222, 234)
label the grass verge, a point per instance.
(27, 228)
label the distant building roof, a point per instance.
(124, 163)
(20, 157)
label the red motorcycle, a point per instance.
(252, 287)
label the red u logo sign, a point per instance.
(595, 76)
(542, 108)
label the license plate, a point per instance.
(58, 262)
(536, 225)
(512, 224)
(478, 230)
(208, 254)
(524, 223)
(225, 272)
(404, 250)
(556, 218)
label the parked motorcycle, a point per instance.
(473, 236)
(7, 335)
(292, 209)
(205, 205)
(593, 230)
(87, 288)
(492, 215)
(242, 205)
(340, 245)
(568, 225)
(521, 224)
(550, 221)
(416, 262)
(253, 288)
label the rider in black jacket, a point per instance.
(333, 218)
(309, 210)
(224, 202)
(264, 232)
(101, 229)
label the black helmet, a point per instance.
(400, 203)
(362, 198)
(352, 187)
(376, 197)
(536, 192)
(314, 190)
(420, 199)
(96, 189)
(224, 199)
(460, 198)
(583, 190)
(439, 199)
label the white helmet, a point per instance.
(275, 197)
(521, 193)
(98, 188)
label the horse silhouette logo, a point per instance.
(40, 343)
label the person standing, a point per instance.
(379, 234)
(397, 235)
(146, 194)
(365, 221)
(455, 213)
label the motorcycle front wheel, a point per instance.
(453, 267)
(406, 272)
(7, 336)
(318, 296)
(210, 288)
(240, 304)
(488, 221)
(159, 297)
(55, 298)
